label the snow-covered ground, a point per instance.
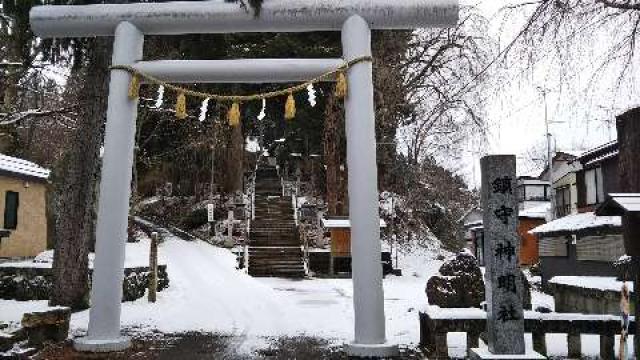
(208, 294)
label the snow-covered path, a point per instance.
(206, 293)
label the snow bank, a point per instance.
(137, 255)
(206, 293)
(575, 222)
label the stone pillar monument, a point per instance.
(504, 288)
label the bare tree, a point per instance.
(445, 78)
(575, 29)
(586, 50)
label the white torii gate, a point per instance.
(130, 22)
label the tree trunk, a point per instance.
(332, 156)
(75, 225)
(235, 161)
(628, 126)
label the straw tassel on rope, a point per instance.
(233, 116)
(134, 87)
(341, 85)
(181, 106)
(290, 108)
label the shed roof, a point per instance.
(577, 222)
(620, 203)
(343, 223)
(21, 167)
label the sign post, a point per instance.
(504, 286)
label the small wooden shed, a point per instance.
(340, 229)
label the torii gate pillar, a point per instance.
(113, 207)
(129, 22)
(368, 295)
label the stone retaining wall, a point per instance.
(574, 299)
(34, 283)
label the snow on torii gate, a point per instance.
(130, 22)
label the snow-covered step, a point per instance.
(274, 244)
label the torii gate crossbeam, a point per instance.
(129, 23)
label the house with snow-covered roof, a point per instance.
(577, 242)
(533, 208)
(23, 191)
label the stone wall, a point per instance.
(34, 283)
(574, 299)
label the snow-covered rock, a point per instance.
(458, 285)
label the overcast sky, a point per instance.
(582, 116)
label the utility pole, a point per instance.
(212, 184)
(213, 161)
(549, 154)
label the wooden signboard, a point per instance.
(341, 242)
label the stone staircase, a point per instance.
(274, 245)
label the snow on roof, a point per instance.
(602, 158)
(524, 181)
(572, 152)
(598, 148)
(473, 223)
(591, 282)
(23, 167)
(628, 201)
(469, 212)
(577, 222)
(343, 223)
(535, 212)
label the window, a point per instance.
(479, 246)
(553, 246)
(606, 248)
(599, 185)
(533, 192)
(536, 192)
(593, 186)
(11, 203)
(563, 201)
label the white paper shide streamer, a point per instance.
(312, 95)
(263, 113)
(203, 109)
(160, 97)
